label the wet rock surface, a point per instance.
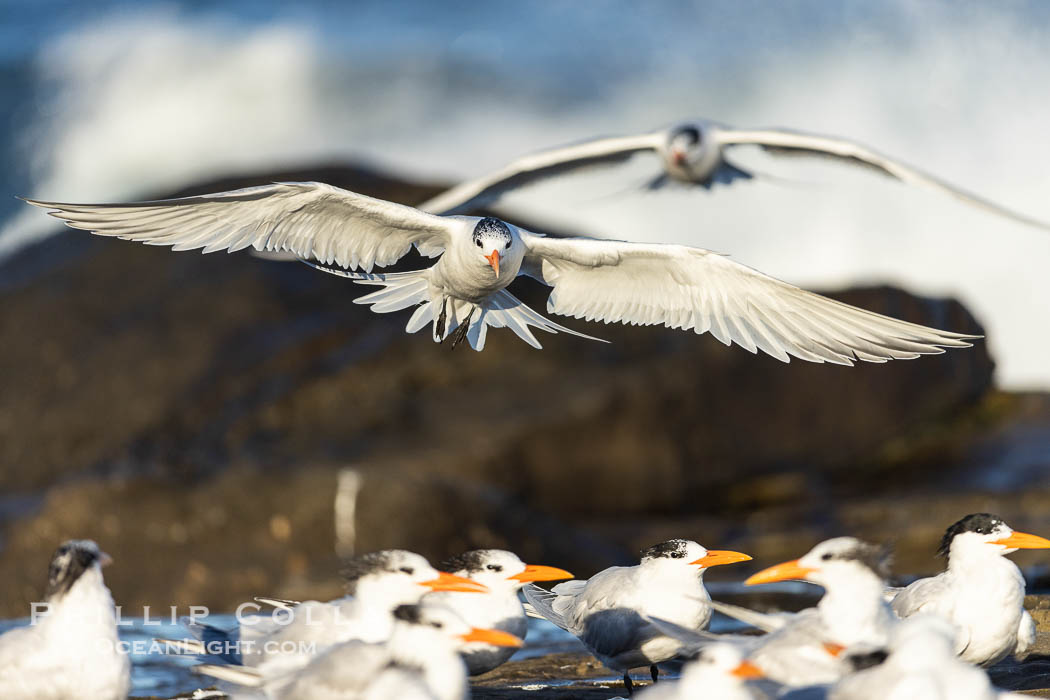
(193, 414)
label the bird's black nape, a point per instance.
(671, 549)
(68, 564)
(410, 613)
(468, 562)
(981, 523)
(490, 227)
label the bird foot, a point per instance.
(442, 317)
(654, 672)
(628, 683)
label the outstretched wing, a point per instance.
(786, 141)
(691, 288)
(309, 219)
(539, 166)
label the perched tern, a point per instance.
(376, 584)
(693, 152)
(981, 592)
(719, 672)
(73, 651)
(921, 664)
(609, 612)
(465, 292)
(421, 654)
(809, 647)
(503, 573)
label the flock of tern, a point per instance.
(409, 630)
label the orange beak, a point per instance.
(718, 557)
(834, 649)
(788, 571)
(457, 584)
(746, 669)
(1022, 540)
(493, 259)
(494, 637)
(534, 572)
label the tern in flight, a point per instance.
(693, 152)
(465, 291)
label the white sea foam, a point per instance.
(157, 100)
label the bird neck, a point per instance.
(86, 608)
(854, 611)
(442, 668)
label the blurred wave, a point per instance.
(132, 102)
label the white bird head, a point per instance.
(70, 562)
(719, 661)
(692, 152)
(428, 625)
(841, 562)
(497, 244)
(500, 570)
(395, 576)
(982, 533)
(687, 554)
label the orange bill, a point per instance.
(788, 571)
(535, 572)
(493, 259)
(493, 637)
(746, 669)
(1022, 540)
(718, 557)
(451, 582)
(834, 649)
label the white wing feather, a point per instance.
(691, 288)
(538, 166)
(787, 140)
(309, 219)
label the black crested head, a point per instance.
(68, 564)
(981, 523)
(671, 549)
(412, 614)
(468, 562)
(876, 557)
(372, 563)
(690, 132)
(491, 229)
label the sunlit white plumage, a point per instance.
(420, 659)
(694, 152)
(981, 592)
(73, 651)
(610, 611)
(719, 672)
(810, 646)
(600, 280)
(504, 574)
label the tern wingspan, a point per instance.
(310, 219)
(695, 289)
(796, 142)
(539, 166)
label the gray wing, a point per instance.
(785, 141)
(542, 602)
(540, 166)
(695, 289)
(309, 219)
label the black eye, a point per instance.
(494, 567)
(407, 570)
(436, 625)
(826, 557)
(478, 243)
(507, 247)
(677, 555)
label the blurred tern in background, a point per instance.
(981, 592)
(719, 672)
(73, 651)
(693, 152)
(420, 659)
(609, 612)
(465, 292)
(503, 573)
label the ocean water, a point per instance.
(118, 99)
